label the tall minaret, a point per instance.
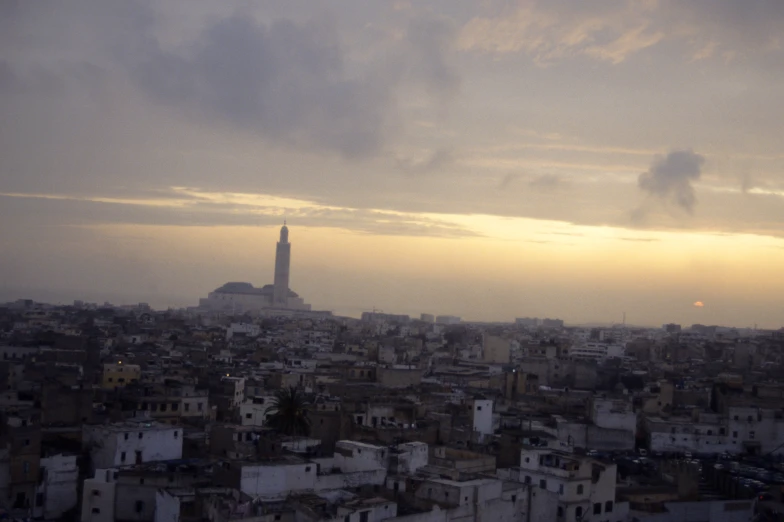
(282, 261)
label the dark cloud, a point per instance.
(292, 83)
(289, 81)
(508, 180)
(546, 182)
(670, 178)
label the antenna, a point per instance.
(624, 319)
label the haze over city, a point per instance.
(486, 159)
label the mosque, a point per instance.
(244, 297)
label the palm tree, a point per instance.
(288, 414)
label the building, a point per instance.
(98, 497)
(585, 487)
(119, 375)
(496, 349)
(240, 297)
(597, 350)
(131, 442)
(447, 319)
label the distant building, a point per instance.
(496, 349)
(373, 317)
(244, 297)
(428, 318)
(552, 323)
(448, 319)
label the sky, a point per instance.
(490, 159)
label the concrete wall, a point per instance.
(167, 507)
(59, 488)
(98, 497)
(353, 456)
(108, 445)
(276, 481)
(482, 413)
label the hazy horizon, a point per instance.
(490, 159)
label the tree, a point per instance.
(288, 414)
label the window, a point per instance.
(446, 494)
(578, 511)
(163, 406)
(527, 459)
(543, 484)
(187, 406)
(597, 508)
(735, 434)
(346, 518)
(96, 511)
(125, 436)
(27, 442)
(141, 435)
(672, 430)
(363, 516)
(710, 432)
(111, 380)
(560, 511)
(736, 417)
(139, 506)
(141, 481)
(175, 406)
(176, 434)
(749, 418)
(560, 489)
(580, 489)
(478, 408)
(122, 457)
(96, 493)
(200, 406)
(751, 434)
(39, 499)
(514, 498)
(722, 431)
(248, 415)
(608, 506)
(527, 479)
(307, 469)
(277, 517)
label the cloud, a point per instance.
(291, 81)
(670, 178)
(613, 31)
(508, 180)
(699, 304)
(546, 182)
(434, 160)
(554, 30)
(182, 206)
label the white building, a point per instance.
(131, 442)
(483, 417)
(245, 329)
(585, 487)
(598, 351)
(57, 490)
(98, 497)
(253, 412)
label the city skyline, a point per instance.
(489, 160)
